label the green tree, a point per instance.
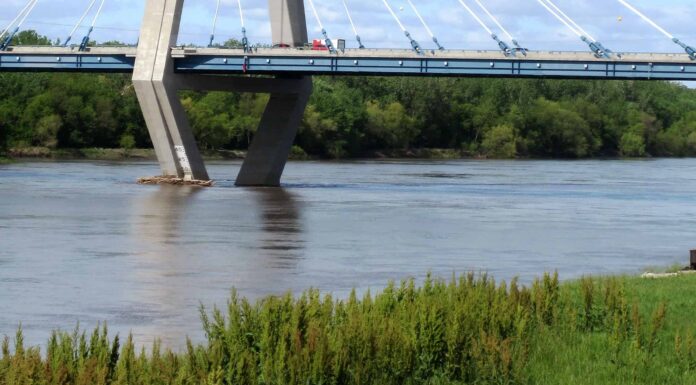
(555, 131)
(500, 142)
(210, 119)
(389, 125)
(345, 107)
(3, 139)
(315, 131)
(30, 37)
(127, 141)
(231, 43)
(247, 117)
(632, 145)
(354, 116)
(46, 133)
(675, 140)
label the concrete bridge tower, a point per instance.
(157, 85)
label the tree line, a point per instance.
(360, 116)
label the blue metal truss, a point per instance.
(346, 66)
(21, 62)
(436, 67)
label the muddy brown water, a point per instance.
(81, 242)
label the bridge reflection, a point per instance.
(161, 213)
(281, 239)
(277, 211)
(184, 260)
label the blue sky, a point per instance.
(455, 28)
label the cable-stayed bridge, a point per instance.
(160, 68)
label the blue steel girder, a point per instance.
(428, 66)
(313, 64)
(26, 62)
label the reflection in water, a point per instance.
(163, 266)
(282, 228)
(161, 213)
(185, 255)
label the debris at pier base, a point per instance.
(171, 180)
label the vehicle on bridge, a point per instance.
(320, 45)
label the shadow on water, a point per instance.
(161, 213)
(179, 227)
(282, 238)
(193, 251)
(164, 228)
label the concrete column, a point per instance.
(273, 140)
(288, 24)
(156, 87)
(270, 148)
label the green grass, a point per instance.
(646, 352)
(467, 330)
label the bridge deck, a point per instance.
(361, 62)
(67, 59)
(435, 54)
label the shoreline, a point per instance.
(148, 154)
(115, 154)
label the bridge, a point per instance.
(160, 68)
(392, 62)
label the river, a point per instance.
(81, 242)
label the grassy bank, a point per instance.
(463, 331)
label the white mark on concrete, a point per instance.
(183, 160)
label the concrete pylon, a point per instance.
(288, 23)
(270, 148)
(276, 133)
(156, 87)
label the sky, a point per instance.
(606, 20)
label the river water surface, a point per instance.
(81, 242)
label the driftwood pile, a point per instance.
(668, 275)
(158, 180)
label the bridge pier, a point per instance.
(276, 133)
(156, 85)
(270, 148)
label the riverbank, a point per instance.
(297, 153)
(30, 153)
(116, 154)
(610, 330)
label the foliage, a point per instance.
(3, 139)
(632, 145)
(500, 142)
(358, 116)
(30, 37)
(389, 125)
(463, 331)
